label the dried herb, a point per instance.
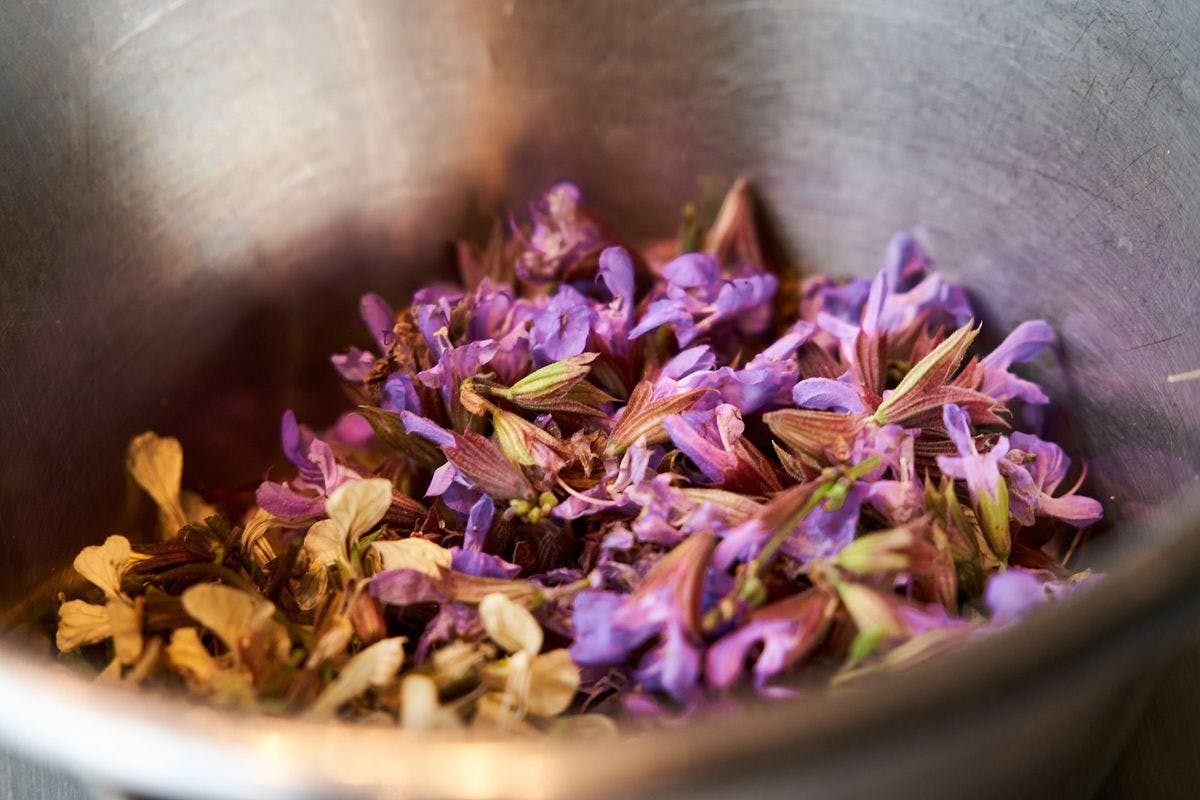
(675, 468)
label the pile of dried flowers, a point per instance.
(593, 477)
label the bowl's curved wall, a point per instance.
(192, 194)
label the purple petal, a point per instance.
(711, 458)
(597, 638)
(673, 666)
(1012, 594)
(404, 587)
(354, 365)
(692, 270)
(958, 425)
(616, 271)
(824, 394)
(787, 345)
(379, 318)
(824, 532)
(482, 565)
(905, 261)
(1073, 509)
(277, 499)
(295, 447)
(400, 394)
(561, 329)
(479, 522)
(333, 474)
(419, 426)
(1021, 346)
(663, 312)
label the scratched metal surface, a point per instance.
(192, 194)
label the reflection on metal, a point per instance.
(192, 194)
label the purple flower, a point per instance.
(561, 329)
(612, 321)
(598, 639)
(379, 319)
(672, 666)
(665, 605)
(908, 291)
(787, 630)
(981, 471)
(821, 533)
(825, 531)
(564, 235)
(1021, 346)
(823, 394)
(697, 299)
(320, 475)
(1032, 486)
(1014, 593)
(400, 393)
(470, 558)
(707, 438)
(353, 365)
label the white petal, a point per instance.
(81, 623)
(156, 463)
(510, 624)
(553, 685)
(375, 666)
(104, 564)
(421, 555)
(420, 709)
(188, 655)
(204, 674)
(233, 615)
(325, 543)
(126, 630)
(357, 506)
(194, 508)
(333, 642)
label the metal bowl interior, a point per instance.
(195, 193)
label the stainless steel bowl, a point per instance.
(192, 194)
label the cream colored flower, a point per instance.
(527, 682)
(81, 623)
(375, 666)
(238, 618)
(413, 553)
(156, 463)
(510, 624)
(420, 707)
(354, 509)
(207, 675)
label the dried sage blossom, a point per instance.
(595, 482)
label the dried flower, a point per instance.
(645, 474)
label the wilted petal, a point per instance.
(510, 624)
(156, 464)
(420, 708)
(374, 666)
(104, 565)
(325, 543)
(81, 623)
(359, 505)
(286, 504)
(420, 555)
